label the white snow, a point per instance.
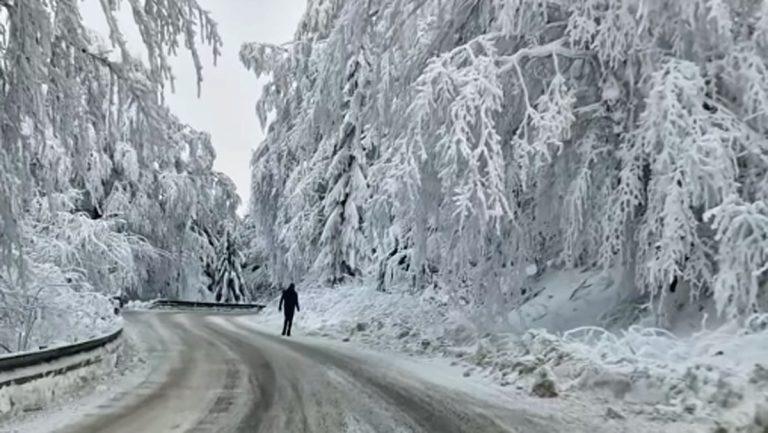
(60, 400)
(138, 305)
(366, 314)
(531, 269)
(37, 394)
(449, 374)
(564, 300)
(78, 332)
(672, 380)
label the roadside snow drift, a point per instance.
(33, 388)
(714, 377)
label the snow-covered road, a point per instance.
(213, 373)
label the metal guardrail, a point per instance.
(33, 359)
(11, 363)
(205, 305)
(21, 360)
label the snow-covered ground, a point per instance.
(443, 372)
(64, 319)
(37, 394)
(636, 377)
(44, 404)
(96, 330)
(710, 378)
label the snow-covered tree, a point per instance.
(228, 285)
(342, 244)
(102, 190)
(499, 134)
(256, 274)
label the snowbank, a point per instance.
(716, 377)
(57, 378)
(564, 300)
(99, 329)
(395, 321)
(713, 377)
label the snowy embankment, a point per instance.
(556, 344)
(33, 380)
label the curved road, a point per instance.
(213, 374)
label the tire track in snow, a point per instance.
(261, 380)
(427, 409)
(183, 397)
(218, 375)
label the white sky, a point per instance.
(226, 107)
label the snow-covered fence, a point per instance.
(167, 303)
(30, 380)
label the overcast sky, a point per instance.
(226, 107)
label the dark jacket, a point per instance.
(291, 300)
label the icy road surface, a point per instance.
(213, 373)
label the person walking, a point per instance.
(291, 300)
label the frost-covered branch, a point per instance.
(555, 48)
(586, 132)
(102, 189)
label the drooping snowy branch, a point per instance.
(102, 190)
(619, 133)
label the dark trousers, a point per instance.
(288, 323)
